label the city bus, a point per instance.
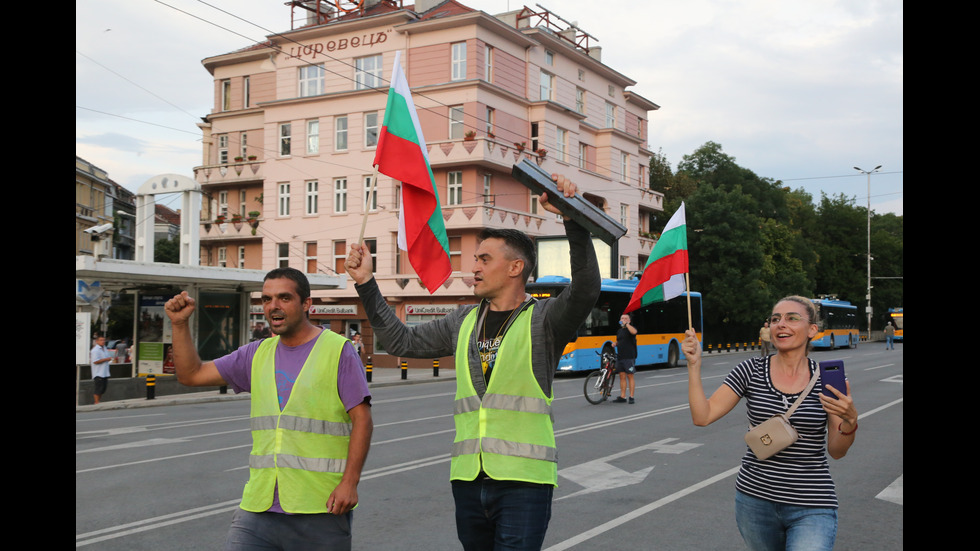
(661, 325)
(895, 314)
(837, 323)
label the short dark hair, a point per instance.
(519, 244)
(298, 277)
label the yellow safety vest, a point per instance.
(303, 447)
(508, 434)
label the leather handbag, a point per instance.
(776, 433)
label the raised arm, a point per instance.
(191, 371)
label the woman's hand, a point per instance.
(842, 407)
(692, 349)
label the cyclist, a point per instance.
(626, 357)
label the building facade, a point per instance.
(100, 201)
(289, 146)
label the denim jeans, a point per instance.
(497, 515)
(767, 525)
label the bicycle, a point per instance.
(599, 384)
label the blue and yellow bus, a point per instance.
(837, 322)
(661, 325)
(895, 314)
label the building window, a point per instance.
(244, 145)
(339, 256)
(561, 145)
(284, 199)
(223, 203)
(491, 114)
(581, 75)
(624, 266)
(455, 252)
(282, 255)
(223, 149)
(488, 64)
(310, 249)
(547, 86)
(487, 195)
(372, 245)
(223, 257)
(583, 154)
(371, 129)
(313, 136)
(312, 197)
(456, 122)
(624, 166)
(340, 195)
(225, 95)
(241, 256)
(246, 92)
(610, 115)
(534, 136)
(624, 215)
(311, 80)
(454, 188)
(533, 207)
(285, 139)
(458, 61)
(580, 101)
(367, 72)
(340, 133)
(241, 203)
(549, 58)
(370, 194)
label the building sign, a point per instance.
(430, 309)
(334, 310)
(311, 51)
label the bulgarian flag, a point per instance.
(402, 155)
(664, 275)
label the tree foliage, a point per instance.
(752, 241)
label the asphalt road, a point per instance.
(631, 476)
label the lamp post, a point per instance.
(869, 172)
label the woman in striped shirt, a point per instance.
(788, 500)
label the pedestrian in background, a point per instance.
(100, 358)
(765, 339)
(626, 357)
(889, 336)
(787, 501)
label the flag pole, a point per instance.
(687, 282)
(367, 206)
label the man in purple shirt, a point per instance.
(286, 301)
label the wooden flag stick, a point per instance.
(687, 282)
(367, 204)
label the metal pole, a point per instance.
(868, 297)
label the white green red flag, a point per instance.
(402, 155)
(663, 276)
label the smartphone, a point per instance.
(832, 373)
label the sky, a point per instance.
(800, 91)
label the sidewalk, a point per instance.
(380, 377)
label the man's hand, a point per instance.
(342, 499)
(180, 308)
(566, 186)
(359, 263)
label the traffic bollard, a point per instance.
(435, 367)
(404, 370)
(151, 386)
(368, 368)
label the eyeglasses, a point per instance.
(791, 317)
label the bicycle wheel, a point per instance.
(595, 387)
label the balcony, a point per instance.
(231, 173)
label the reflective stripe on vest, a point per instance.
(509, 433)
(303, 448)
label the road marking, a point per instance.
(895, 492)
(879, 367)
(97, 536)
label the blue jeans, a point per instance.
(767, 525)
(497, 515)
(889, 343)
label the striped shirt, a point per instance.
(798, 475)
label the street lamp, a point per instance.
(869, 172)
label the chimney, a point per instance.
(422, 6)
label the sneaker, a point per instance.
(631, 400)
(619, 400)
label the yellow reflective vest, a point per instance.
(303, 447)
(508, 434)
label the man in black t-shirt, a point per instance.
(626, 357)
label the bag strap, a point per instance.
(809, 387)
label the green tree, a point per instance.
(167, 250)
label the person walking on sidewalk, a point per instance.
(311, 420)
(626, 357)
(889, 336)
(765, 338)
(100, 358)
(503, 467)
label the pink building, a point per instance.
(288, 148)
